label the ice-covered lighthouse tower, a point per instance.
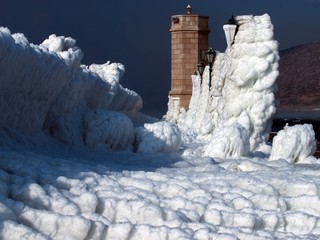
(189, 42)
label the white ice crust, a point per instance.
(52, 191)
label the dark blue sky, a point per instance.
(136, 33)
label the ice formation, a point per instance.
(86, 105)
(158, 137)
(296, 144)
(108, 130)
(45, 88)
(243, 88)
(228, 141)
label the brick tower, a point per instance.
(189, 42)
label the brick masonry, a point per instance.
(189, 41)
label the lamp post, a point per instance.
(201, 66)
(211, 55)
(230, 30)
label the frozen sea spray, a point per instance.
(294, 144)
(108, 130)
(45, 88)
(229, 141)
(158, 137)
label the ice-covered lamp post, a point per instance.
(211, 54)
(230, 30)
(201, 66)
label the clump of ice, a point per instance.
(58, 43)
(158, 137)
(20, 39)
(65, 47)
(228, 141)
(295, 144)
(108, 130)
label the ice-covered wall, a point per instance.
(41, 83)
(243, 87)
(30, 81)
(45, 88)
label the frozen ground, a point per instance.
(54, 191)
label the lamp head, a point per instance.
(211, 55)
(201, 66)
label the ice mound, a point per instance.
(158, 137)
(45, 88)
(108, 130)
(228, 141)
(295, 144)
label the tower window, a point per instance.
(175, 20)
